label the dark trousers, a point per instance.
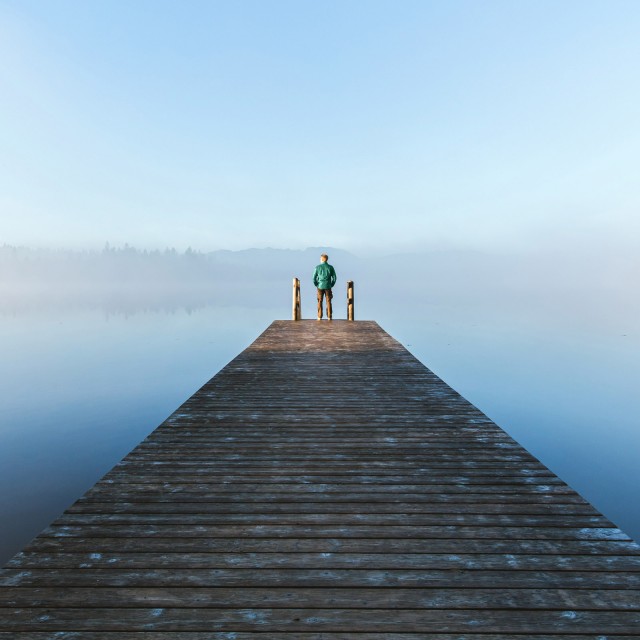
(329, 295)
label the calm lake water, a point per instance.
(82, 386)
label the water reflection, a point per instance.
(85, 378)
(569, 397)
(80, 389)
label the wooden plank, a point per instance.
(309, 521)
(90, 546)
(202, 507)
(238, 577)
(560, 532)
(194, 598)
(327, 620)
(323, 560)
(326, 484)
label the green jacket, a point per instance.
(324, 276)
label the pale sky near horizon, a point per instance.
(406, 125)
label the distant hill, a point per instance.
(127, 278)
(132, 279)
(20, 265)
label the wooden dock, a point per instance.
(325, 484)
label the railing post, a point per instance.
(350, 303)
(296, 299)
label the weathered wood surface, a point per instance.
(325, 484)
(350, 301)
(296, 313)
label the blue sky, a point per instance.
(388, 126)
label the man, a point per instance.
(324, 278)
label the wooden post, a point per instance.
(297, 315)
(350, 311)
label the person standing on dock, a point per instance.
(324, 278)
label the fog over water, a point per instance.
(99, 348)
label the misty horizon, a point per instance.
(126, 280)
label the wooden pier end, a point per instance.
(326, 484)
